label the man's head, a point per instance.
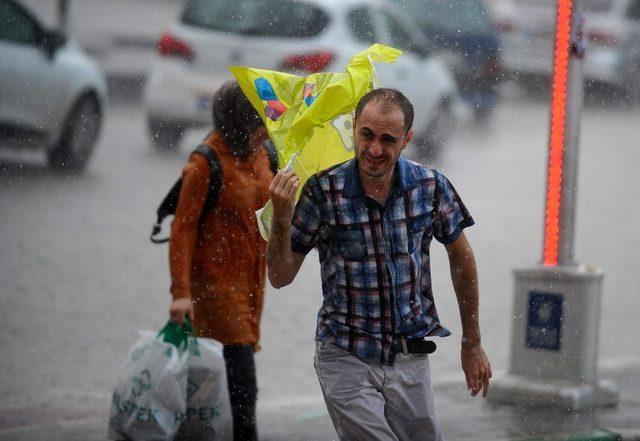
(382, 129)
(388, 97)
(236, 119)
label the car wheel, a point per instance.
(165, 135)
(439, 130)
(79, 136)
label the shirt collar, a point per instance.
(353, 189)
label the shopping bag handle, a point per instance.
(177, 334)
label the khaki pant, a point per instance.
(377, 402)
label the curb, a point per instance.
(88, 429)
(628, 434)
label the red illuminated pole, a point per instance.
(566, 103)
(554, 346)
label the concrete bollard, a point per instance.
(554, 342)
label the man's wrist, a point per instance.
(280, 224)
(470, 343)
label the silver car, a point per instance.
(612, 28)
(301, 36)
(52, 96)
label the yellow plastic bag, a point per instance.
(309, 119)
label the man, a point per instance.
(372, 220)
(217, 260)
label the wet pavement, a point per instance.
(78, 276)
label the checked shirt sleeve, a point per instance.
(451, 216)
(305, 225)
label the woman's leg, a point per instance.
(243, 390)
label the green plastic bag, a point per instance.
(172, 384)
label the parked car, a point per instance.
(464, 35)
(300, 36)
(52, 96)
(612, 29)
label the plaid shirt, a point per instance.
(376, 276)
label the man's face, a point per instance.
(379, 139)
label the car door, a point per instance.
(27, 79)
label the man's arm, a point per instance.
(476, 366)
(282, 262)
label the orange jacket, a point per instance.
(220, 262)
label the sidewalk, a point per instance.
(463, 417)
(466, 418)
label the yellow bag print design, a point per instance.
(309, 119)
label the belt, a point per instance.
(417, 346)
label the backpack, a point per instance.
(170, 202)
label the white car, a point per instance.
(300, 36)
(52, 96)
(612, 29)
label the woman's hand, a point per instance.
(179, 309)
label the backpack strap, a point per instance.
(170, 201)
(215, 175)
(273, 155)
(167, 207)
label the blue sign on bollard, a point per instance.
(544, 321)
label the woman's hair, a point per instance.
(234, 117)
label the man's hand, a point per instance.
(282, 192)
(282, 263)
(477, 369)
(179, 308)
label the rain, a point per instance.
(88, 150)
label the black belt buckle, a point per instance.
(417, 346)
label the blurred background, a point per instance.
(101, 101)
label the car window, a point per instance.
(15, 25)
(273, 18)
(399, 37)
(457, 16)
(361, 25)
(634, 10)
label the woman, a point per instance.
(217, 260)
